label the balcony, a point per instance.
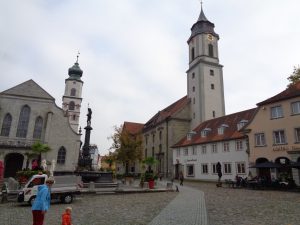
(6, 142)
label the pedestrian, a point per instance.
(181, 178)
(219, 172)
(66, 217)
(41, 203)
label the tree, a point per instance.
(150, 161)
(110, 159)
(294, 77)
(39, 148)
(128, 147)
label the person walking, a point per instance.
(181, 178)
(219, 172)
(66, 217)
(41, 203)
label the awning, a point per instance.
(295, 165)
(266, 165)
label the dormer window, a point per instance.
(241, 124)
(190, 135)
(205, 132)
(222, 128)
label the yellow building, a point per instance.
(274, 135)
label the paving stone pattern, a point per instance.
(224, 206)
(232, 206)
(123, 209)
(188, 208)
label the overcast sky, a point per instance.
(134, 54)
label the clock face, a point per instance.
(210, 37)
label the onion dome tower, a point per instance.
(72, 97)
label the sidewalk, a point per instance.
(187, 208)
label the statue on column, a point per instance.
(89, 116)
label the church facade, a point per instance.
(29, 114)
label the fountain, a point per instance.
(85, 161)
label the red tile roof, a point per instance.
(291, 92)
(166, 113)
(133, 128)
(230, 132)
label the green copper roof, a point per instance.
(75, 72)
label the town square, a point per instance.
(138, 112)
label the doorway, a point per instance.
(13, 163)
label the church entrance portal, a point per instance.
(13, 163)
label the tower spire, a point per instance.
(77, 56)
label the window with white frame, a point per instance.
(178, 152)
(239, 145)
(203, 149)
(297, 134)
(295, 108)
(260, 139)
(226, 146)
(204, 168)
(214, 148)
(190, 170)
(194, 150)
(240, 167)
(227, 168)
(221, 130)
(214, 168)
(241, 124)
(276, 112)
(205, 132)
(185, 151)
(279, 137)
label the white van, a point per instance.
(64, 188)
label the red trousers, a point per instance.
(38, 217)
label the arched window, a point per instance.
(211, 50)
(193, 53)
(6, 125)
(23, 122)
(61, 155)
(71, 105)
(38, 128)
(73, 92)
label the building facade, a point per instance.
(213, 141)
(29, 114)
(274, 134)
(162, 131)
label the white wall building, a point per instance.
(213, 141)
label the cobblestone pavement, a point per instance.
(232, 206)
(122, 209)
(188, 208)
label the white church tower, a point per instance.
(72, 97)
(205, 76)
